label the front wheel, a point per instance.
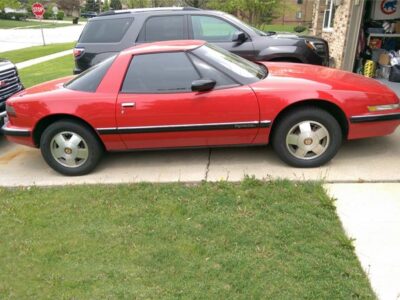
(70, 148)
(307, 137)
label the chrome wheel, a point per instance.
(307, 140)
(69, 149)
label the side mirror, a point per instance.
(203, 85)
(239, 37)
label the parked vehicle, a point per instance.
(9, 84)
(89, 14)
(202, 96)
(113, 31)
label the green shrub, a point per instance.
(13, 16)
(47, 15)
(60, 15)
(300, 28)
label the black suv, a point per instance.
(9, 84)
(114, 31)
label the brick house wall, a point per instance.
(336, 37)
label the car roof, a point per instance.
(123, 13)
(148, 9)
(165, 46)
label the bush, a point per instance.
(13, 16)
(60, 15)
(300, 28)
(47, 15)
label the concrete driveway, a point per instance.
(372, 160)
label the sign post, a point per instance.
(55, 12)
(38, 10)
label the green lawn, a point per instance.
(48, 70)
(20, 55)
(252, 240)
(8, 24)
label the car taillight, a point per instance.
(78, 51)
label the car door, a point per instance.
(220, 32)
(156, 107)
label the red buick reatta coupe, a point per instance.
(192, 94)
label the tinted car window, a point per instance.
(163, 29)
(212, 29)
(105, 31)
(160, 73)
(209, 72)
(89, 80)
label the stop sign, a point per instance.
(38, 10)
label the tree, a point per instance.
(9, 3)
(195, 3)
(136, 3)
(115, 4)
(68, 5)
(106, 6)
(254, 12)
(92, 5)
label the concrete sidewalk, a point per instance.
(38, 60)
(370, 213)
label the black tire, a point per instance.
(287, 125)
(90, 144)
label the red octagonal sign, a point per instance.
(38, 10)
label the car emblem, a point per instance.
(3, 83)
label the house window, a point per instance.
(329, 15)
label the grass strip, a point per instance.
(250, 240)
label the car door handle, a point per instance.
(128, 104)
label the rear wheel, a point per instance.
(307, 137)
(70, 148)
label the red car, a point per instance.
(192, 94)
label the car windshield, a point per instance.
(241, 69)
(89, 80)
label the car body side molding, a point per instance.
(184, 127)
(375, 118)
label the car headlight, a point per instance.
(10, 111)
(383, 107)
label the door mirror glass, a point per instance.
(203, 85)
(239, 36)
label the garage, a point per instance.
(364, 36)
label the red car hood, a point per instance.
(294, 76)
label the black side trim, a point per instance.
(178, 128)
(377, 118)
(7, 132)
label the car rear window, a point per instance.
(105, 30)
(89, 80)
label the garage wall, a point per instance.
(336, 37)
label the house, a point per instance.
(295, 12)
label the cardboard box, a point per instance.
(397, 27)
(384, 59)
